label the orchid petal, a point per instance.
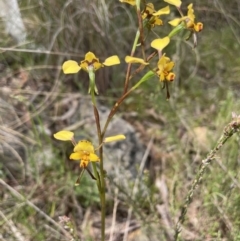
(162, 11)
(113, 60)
(133, 60)
(70, 67)
(176, 3)
(160, 43)
(64, 135)
(131, 2)
(114, 138)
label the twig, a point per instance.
(229, 130)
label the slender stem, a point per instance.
(97, 120)
(113, 111)
(96, 174)
(102, 175)
(140, 24)
(102, 191)
(93, 97)
(229, 130)
(92, 88)
(130, 65)
(148, 75)
(100, 179)
(176, 30)
(102, 194)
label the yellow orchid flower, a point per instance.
(164, 69)
(131, 2)
(189, 20)
(150, 14)
(90, 62)
(84, 150)
(176, 3)
(160, 43)
(130, 59)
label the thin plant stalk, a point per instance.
(148, 75)
(140, 24)
(130, 65)
(102, 181)
(230, 129)
(100, 178)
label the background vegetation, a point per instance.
(36, 185)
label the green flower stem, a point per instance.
(135, 42)
(97, 120)
(147, 76)
(100, 179)
(101, 186)
(229, 130)
(92, 85)
(92, 92)
(140, 24)
(102, 189)
(96, 174)
(102, 194)
(130, 65)
(176, 30)
(138, 3)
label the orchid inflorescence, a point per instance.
(84, 150)
(148, 18)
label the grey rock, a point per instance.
(9, 11)
(122, 157)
